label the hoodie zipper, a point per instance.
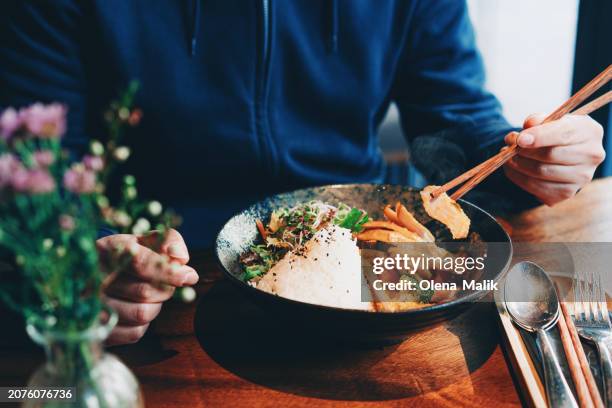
(263, 131)
(265, 11)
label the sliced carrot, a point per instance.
(381, 224)
(406, 218)
(390, 214)
(384, 235)
(262, 229)
(393, 227)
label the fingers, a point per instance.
(147, 264)
(128, 287)
(569, 130)
(173, 245)
(567, 155)
(115, 241)
(134, 314)
(126, 334)
(552, 172)
(153, 267)
(550, 193)
(114, 254)
(563, 155)
(557, 158)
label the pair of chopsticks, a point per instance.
(584, 382)
(474, 176)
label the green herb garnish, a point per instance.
(353, 219)
(253, 271)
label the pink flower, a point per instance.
(80, 180)
(44, 158)
(45, 121)
(20, 179)
(40, 181)
(9, 123)
(66, 222)
(34, 181)
(94, 163)
(8, 166)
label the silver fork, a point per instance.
(593, 322)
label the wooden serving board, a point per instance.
(524, 358)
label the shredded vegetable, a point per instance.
(289, 228)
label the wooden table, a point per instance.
(222, 351)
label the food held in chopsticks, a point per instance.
(447, 211)
(313, 253)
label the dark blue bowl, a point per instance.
(346, 324)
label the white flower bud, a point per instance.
(122, 219)
(155, 208)
(103, 201)
(188, 294)
(96, 148)
(121, 153)
(131, 192)
(124, 113)
(50, 321)
(47, 244)
(86, 244)
(133, 249)
(129, 180)
(61, 251)
(141, 226)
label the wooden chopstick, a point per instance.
(475, 175)
(594, 104)
(580, 384)
(582, 95)
(586, 387)
(467, 175)
(499, 160)
(571, 353)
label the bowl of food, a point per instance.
(300, 255)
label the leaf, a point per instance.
(359, 226)
(253, 271)
(354, 220)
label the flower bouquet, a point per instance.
(52, 208)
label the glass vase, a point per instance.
(77, 360)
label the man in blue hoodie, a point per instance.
(246, 98)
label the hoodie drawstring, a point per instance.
(333, 26)
(194, 13)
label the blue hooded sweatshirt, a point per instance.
(245, 98)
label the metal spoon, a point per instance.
(531, 300)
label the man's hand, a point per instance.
(150, 279)
(558, 158)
